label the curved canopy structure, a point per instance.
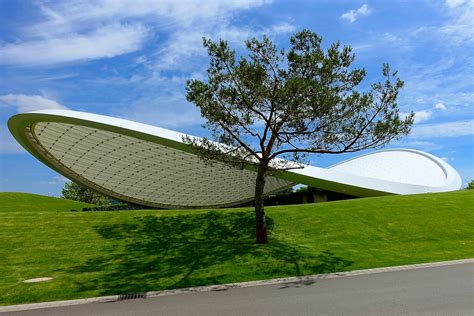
(148, 165)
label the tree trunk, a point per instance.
(261, 223)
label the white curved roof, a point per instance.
(149, 165)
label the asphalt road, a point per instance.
(446, 290)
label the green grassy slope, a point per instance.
(27, 202)
(102, 253)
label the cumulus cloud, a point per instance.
(450, 129)
(28, 103)
(423, 115)
(440, 106)
(420, 116)
(352, 15)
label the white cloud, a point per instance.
(167, 13)
(185, 44)
(428, 85)
(440, 106)
(353, 15)
(420, 116)
(105, 42)
(392, 38)
(423, 115)
(454, 3)
(183, 52)
(237, 35)
(28, 103)
(455, 31)
(450, 129)
(374, 41)
(183, 23)
(58, 179)
(92, 29)
(457, 28)
(168, 111)
(418, 144)
(460, 28)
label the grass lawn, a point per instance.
(103, 253)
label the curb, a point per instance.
(223, 287)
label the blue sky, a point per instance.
(130, 59)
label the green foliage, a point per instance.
(470, 185)
(273, 103)
(76, 192)
(92, 253)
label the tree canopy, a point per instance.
(76, 192)
(275, 103)
(470, 185)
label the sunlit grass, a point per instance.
(100, 253)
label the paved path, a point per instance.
(444, 290)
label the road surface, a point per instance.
(445, 290)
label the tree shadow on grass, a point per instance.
(163, 252)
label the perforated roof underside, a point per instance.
(141, 171)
